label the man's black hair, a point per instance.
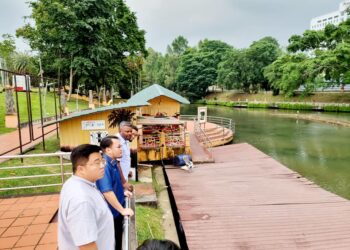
(106, 142)
(154, 244)
(80, 155)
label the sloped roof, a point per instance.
(154, 91)
(128, 104)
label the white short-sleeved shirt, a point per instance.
(125, 161)
(83, 216)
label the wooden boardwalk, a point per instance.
(247, 200)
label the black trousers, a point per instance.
(118, 232)
(133, 156)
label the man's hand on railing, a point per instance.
(127, 212)
(128, 186)
(127, 193)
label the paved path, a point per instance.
(247, 200)
(11, 140)
(27, 222)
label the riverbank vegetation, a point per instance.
(311, 106)
(267, 96)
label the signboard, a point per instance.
(21, 82)
(202, 114)
(92, 125)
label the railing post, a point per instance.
(223, 128)
(62, 169)
(125, 244)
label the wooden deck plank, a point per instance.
(247, 200)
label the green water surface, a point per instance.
(318, 151)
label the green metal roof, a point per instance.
(138, 100)
(135, 103)
(154, 91)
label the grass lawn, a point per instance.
(50, 107)
(52, 145)
(148, 223)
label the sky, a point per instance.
(236, 22)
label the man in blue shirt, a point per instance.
(111, 186)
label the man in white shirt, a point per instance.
(125, 135)
(84, 219)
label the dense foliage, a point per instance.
(13, 60)
(315, 59)
(243, 69)
(87, 42)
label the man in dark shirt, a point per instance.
(111, 186)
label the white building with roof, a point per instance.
(335, 17)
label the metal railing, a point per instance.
(13, 82)
(60, 173)
(202, 136)
(129, 235)
(126, 225)
(221, 122)
(129, 240)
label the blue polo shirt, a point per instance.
(111, 182)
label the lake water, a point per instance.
(318, 151)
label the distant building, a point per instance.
(335, 17)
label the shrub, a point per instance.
(202, 101)
(331, 108)
(211, 102)
(258, 105)
(230, 104)
(344, 108)
(295, 106)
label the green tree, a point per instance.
(325, 63)
(172, 60)
(24, 63)
(7, 48)
(231, 70)
(261, 54)
(243, 69)
(153, 67)
(178, 46)
(85, 40)
(198, 68)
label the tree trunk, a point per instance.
(10, 104)
(71, 75)
(342, 87)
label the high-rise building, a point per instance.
(335, 17)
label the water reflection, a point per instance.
(318, 151)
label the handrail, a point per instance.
(61, 173)
(220, 121)
(200, 133)
(125, 242)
